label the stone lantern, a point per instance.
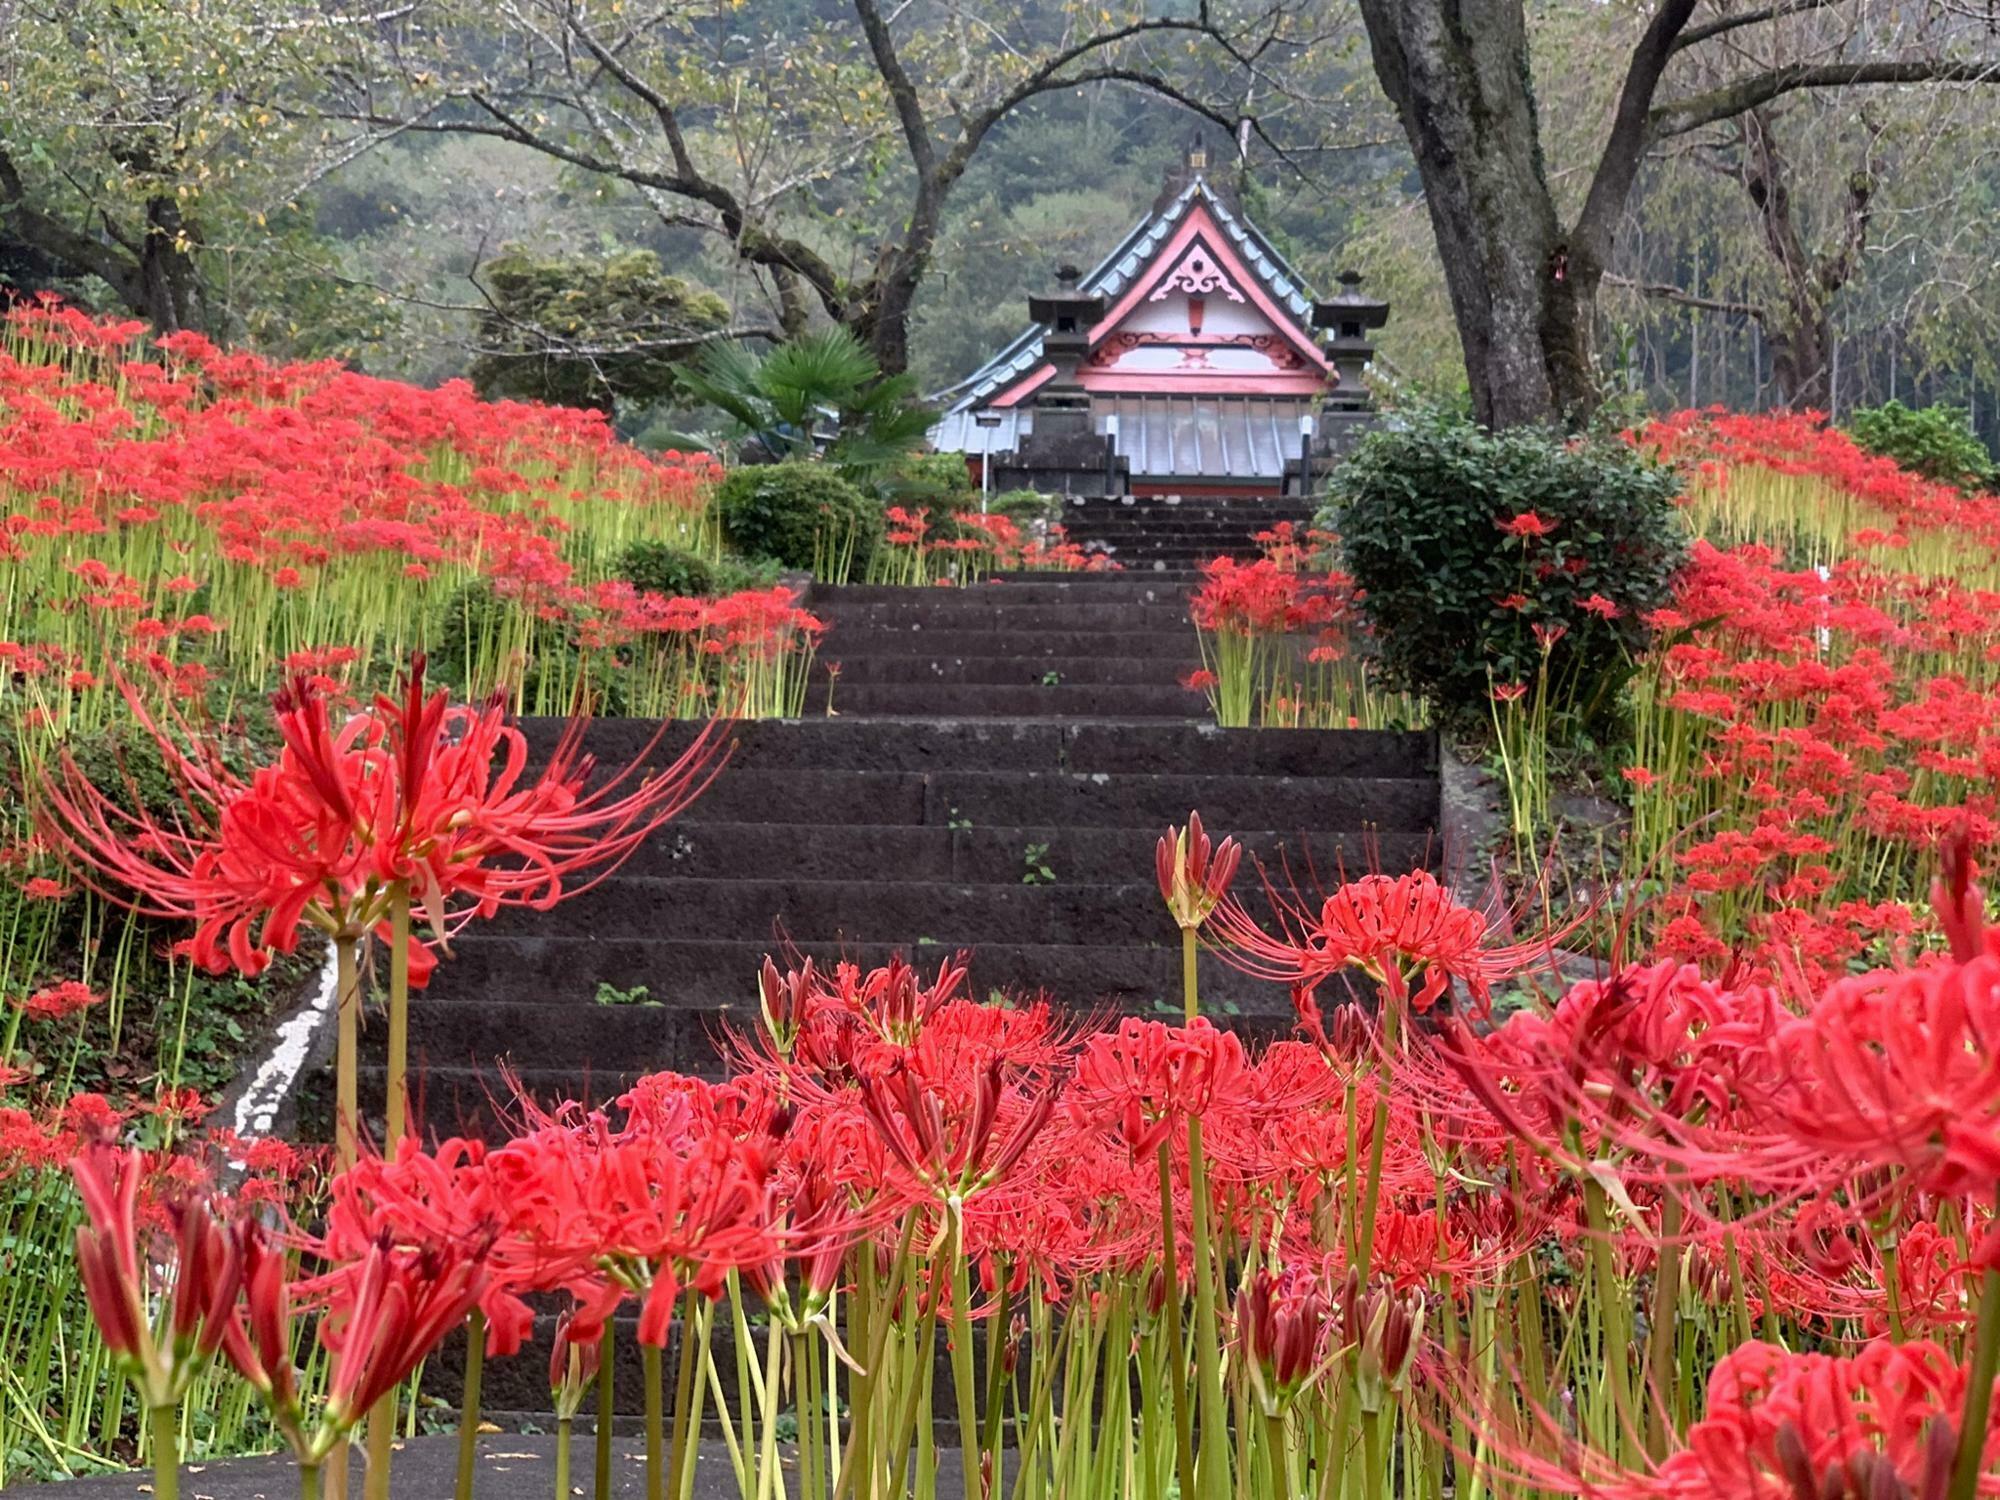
(1349, 319)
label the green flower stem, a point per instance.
(398, 1104)
(965, 1389)
(1177, 1362)
(1978, 1393)
(656, 1422)
(347, 1053)
(381, 1448)
(309, 1481)
(468, 1407)
(163, 1423)
(605, 1409)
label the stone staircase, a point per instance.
(997, 765)
(1177, 534)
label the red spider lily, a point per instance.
(1144, 1081)
(56, 1001)
(415, 795)
(385, 1313)
(205, 1268)
(1393, 929)
(1527, 524)
(1780, 1425)
(672, 1201)
(816, 1224)
(949, 1141)
(1194, 871)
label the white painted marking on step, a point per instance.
(257, 1110)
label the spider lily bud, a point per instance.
(785, 998)
(573, 1364)
(1194, 872)
(206, 1269)
(1280, 1318)
(1382, 1330)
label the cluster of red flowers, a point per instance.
(1806, 736)
(186, 507)
(1716, 444)
(975, 544)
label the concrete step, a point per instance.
(954, 610)
(698, 849)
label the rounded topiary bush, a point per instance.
(663, 568)
(1484, 558)
(1937, 442)
(802, 514)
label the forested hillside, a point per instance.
(565, 198)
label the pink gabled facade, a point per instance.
(1202, 370)
(1196, 321)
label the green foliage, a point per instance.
(664, 568)
(821, 388)
(579, 332)
(1026, 506)
(1935, 441)
(937, 482)
(1453, 599)
(802, 514)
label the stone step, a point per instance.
(490, 966)
(697, 849)
(865, 908)
(905, 666)
(927, 744)
(955, 609)
(1009, 589)
(625, 1040)
(1022, 642)
(1166, 700)
(1088, 799)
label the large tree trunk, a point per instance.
(1457, 72)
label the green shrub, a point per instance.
(1935, 441)
(666, 569)
(1453, 598)
(1027, 505)
(802, 514)
(937, 482)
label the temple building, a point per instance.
(1191, 360)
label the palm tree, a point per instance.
(821, 394)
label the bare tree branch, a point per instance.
(1732, 99)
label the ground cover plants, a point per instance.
(1717, 1220)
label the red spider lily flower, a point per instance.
(1282, 1322)
(1779, 1424)
(949, 1142)
(1393, 929)
(818, 1225)
(416, 794)
(1527, 524)
(257, 1340)
(385, 1314)
(57, 1001)
(41, 888)
(206, 1270)
(1194, 872)
(1144, 1081)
